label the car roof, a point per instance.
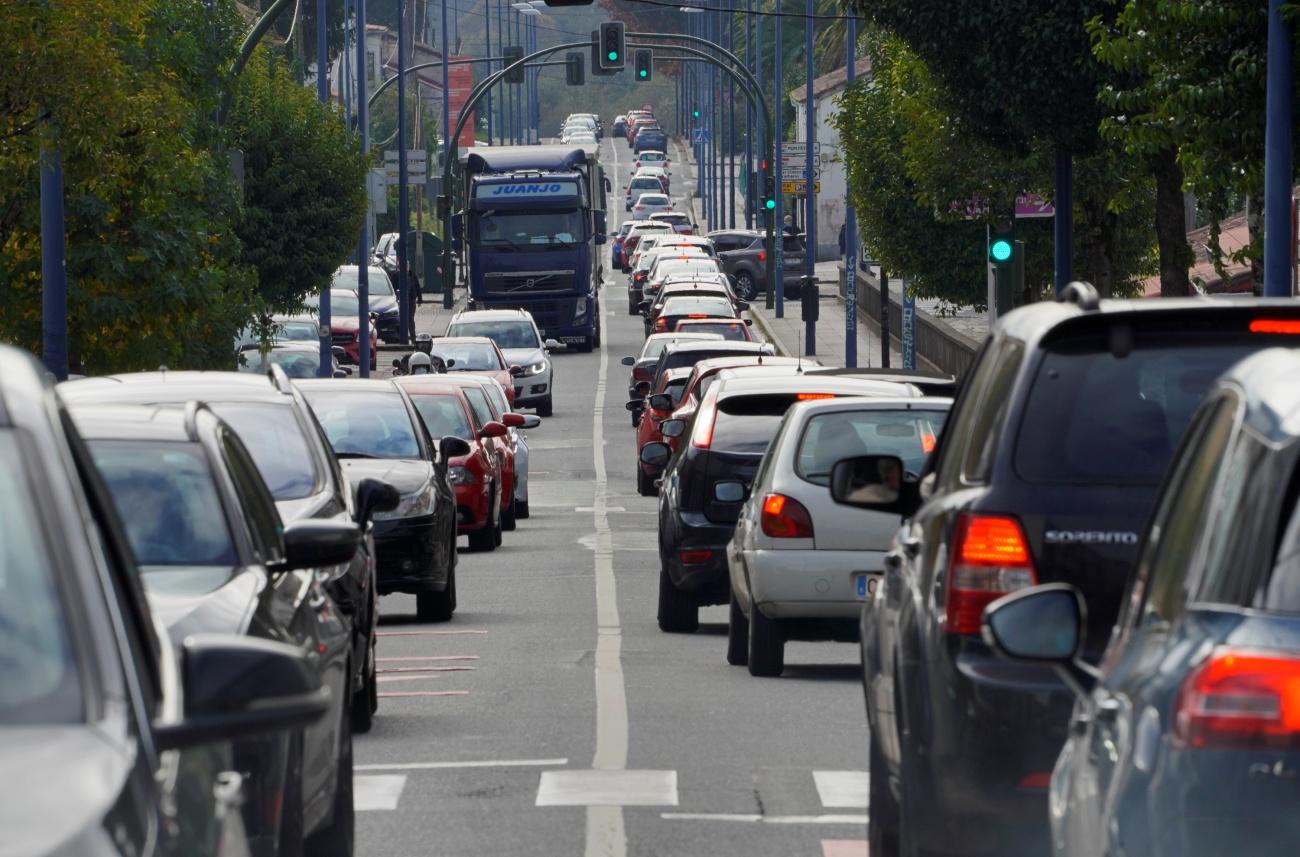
(687, 337)
(730, 346)
(688, 287)
(155, 423)
(348, 385)
(492, 315)
(751, 383)
(871, 403)
(737, 361)
(463, 340)
(748, 233)
(168, 386)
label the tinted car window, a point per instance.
(828, 438)
(166, 496)
(367, 425)
(1093, 417)
(259, 510)
(41, 681)
(276, 441)
(296, 363)
(443, 415)
(986, 424)
(479, 404)
(1241, 532)
(748, 423)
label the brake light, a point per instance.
(990, 558)
(812, 397)
(661, 324)
(1240, 699)
(1274, 325)
(697, 315)
(785, 518)
(927, 443)
(762, 255)
(702, 435)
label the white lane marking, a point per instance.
(386, 679)
(593, 508)
(377, 792)
(607, 788)
(842, 789)
(606, 835)
(492, 763)
(763, 819)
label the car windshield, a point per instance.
(443, 414)
(469, 356)
(347, 278)
(830, 437)
(166, 495)
(296, 364)
(275, 439)
(655, 345)
(645, 182)
(341, 303)
(365, 424)
(506, 334)
(42, 683)
(515, 228)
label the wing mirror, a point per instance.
(642, 388)
(741, 306)
(240, 686)
(339, 352)
(729, 492)
(1043, 624)
(516, 371)
(318, 544)
(661, 402)
(628, 361)
(531, 421)
(454, 447)
(874, 482)
(512, 420)
(635, 405)
(493, 428)
(375, 495)
(672, 428)
(341, 373)
(655, 454)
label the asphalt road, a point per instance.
(552, 717)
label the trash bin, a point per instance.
(809, 296)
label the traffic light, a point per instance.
(1002, 242)
(769, 189)
(598, 70)
(612, 54)
(642, 58)
(510, 55)
(573, 69)
(695, 114)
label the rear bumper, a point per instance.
(405, 556)
(805, 584)
(696, 558)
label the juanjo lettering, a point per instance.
(525, 189)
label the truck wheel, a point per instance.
(678, 614)
(595, 339)
(545, 409)
(766, 645)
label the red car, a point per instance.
(734, 330)
(671, 386)
(643, 365)
(344, 324)
(475, 478)
(704, 372)
(480, 355)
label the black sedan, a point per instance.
(377, 433)
(211, 551)
(127, 740)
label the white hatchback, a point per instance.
(801, 564)
(651, 203)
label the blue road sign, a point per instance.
(702, 135)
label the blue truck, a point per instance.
(532, 219)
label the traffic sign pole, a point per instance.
(363, 245)
(777, 282)
(851, 225)
(810, 170)
(326, 342)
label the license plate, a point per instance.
(865, 583)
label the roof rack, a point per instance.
(1081, 294)
(279, 378)
(192, 408)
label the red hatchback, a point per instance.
(658, 406)
(344, 324)
(480, 355)
(476, 477)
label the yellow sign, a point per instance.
(800, 187)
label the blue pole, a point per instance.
(491, 67)
(1064, 221)
(810, 163)
(731, 121)
(1277, 156)
(519, 95)
(363, 245)
(750, 27)
(446, 92)
(403, 199)
(505, 92)
(54, 272)
(778, 107)
(326, 369)
(851, 225)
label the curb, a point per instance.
(771, 337)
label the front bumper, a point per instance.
(405, 555)
(806, 584)
(532, 389)
(473, 506)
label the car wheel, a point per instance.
(363, 714)
(484, 538)
(437, 606)
(289, 841)
(545, 409)
(337, 839)
(636, 418)
(508, 519)
(737, 634)
(678, 614)
(645, 484)
(744, 285)
(882, 809)
(766, 645)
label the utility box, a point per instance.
(810, 298)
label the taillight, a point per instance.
(1274, 325)
(990, 557)
(702, 434)
(661, 323)
(695, 557)
(785, 518)
(762, 255)
(1240, 699)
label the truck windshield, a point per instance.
(530, 228)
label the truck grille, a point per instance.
(528, 282)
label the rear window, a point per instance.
(1095, 418)
(733, 330)
(748, 423)
(686, 306)
(828, 438)
(443, 415)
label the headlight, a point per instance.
(462, 476)
(580, 309)
(411, 506)
(536, 368)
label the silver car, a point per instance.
(800, 564)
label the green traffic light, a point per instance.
(770, 204)
(695, 114)
(643, 72)
(1000, 250)
(613, 56)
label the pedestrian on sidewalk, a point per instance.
(788, 228)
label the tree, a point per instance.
(304, 183)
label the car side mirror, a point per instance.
(644, 306)
(729, 492)
(492, 428)
(315, 543)
(642, 388)
(660, 402)
(628, 361)
(749, 322)
(1043, 623)
(531, 421)
(239, 686)
(339, 352)
(454, 447)
(516, 371)
(449, 363)
(672, 428)
(512, 420)
(635, 405)
(375, 495)
(341, 373)
(741, 306)
(872, 482)
(655, 454)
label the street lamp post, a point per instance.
(323, 93)
(778, 103)
(363, 244)
(851, 224)
(403, 198)
(810, 171)
(487, 28)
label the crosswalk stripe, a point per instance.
(377, 791)
(842, 789)
(607, 787)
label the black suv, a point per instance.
(1046, 471)
(705, 485)
(294, 458)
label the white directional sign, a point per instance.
(796, 172)
(413, 156)
(799, 149)
(417, 166)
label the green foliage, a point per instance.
(304, 183)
